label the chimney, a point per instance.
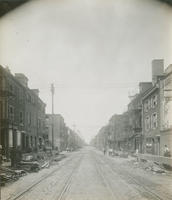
(157, 69)
(36, 91)
(144, 86)
(22, 79)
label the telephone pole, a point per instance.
(52, 93)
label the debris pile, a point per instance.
(8, 175)
(29, 163)
(150, 166)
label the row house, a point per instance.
(60, 131)
(101, 141)
(22, 113)
(135, 117)
(63, 137)
(151, 121)
(118, 126)
(74, 141)
(156, 132)
(166, 110)
(147, 124)
(115, 134)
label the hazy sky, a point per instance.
(95, 52)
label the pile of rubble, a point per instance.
(150, 166)
(29, 163)
(9, 175)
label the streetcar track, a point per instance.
(25, 191)
(108, 186)
(140, 187)
(68, 181)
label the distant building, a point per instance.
(119, 125)
(60, 131)
(147, 125)
(101, 141)
(22, 119)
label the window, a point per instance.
(39, 123)
(11, 113)
(154, 101)
(154, 121)
(147, 123)
(149, 104)
(29, 98)
(146, 106)
(29, 118)
(33, 100)
(21, 117)
(11, 88)
(20, 95)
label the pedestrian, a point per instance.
(166, 151)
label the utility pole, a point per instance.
(52, 93)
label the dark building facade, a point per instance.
(22, 114)
(166, 110)
(151, 113)
(135, 117)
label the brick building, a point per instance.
(151, 111)
(147, 125)
(166, 110)
(22, 114)
(60, 131)
(135, 117)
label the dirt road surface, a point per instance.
(90, 175)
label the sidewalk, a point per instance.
(17, 187)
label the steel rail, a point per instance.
(100, 172)
(22, 193)
(134, 180)
(68, 181)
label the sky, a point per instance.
(94, 51)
